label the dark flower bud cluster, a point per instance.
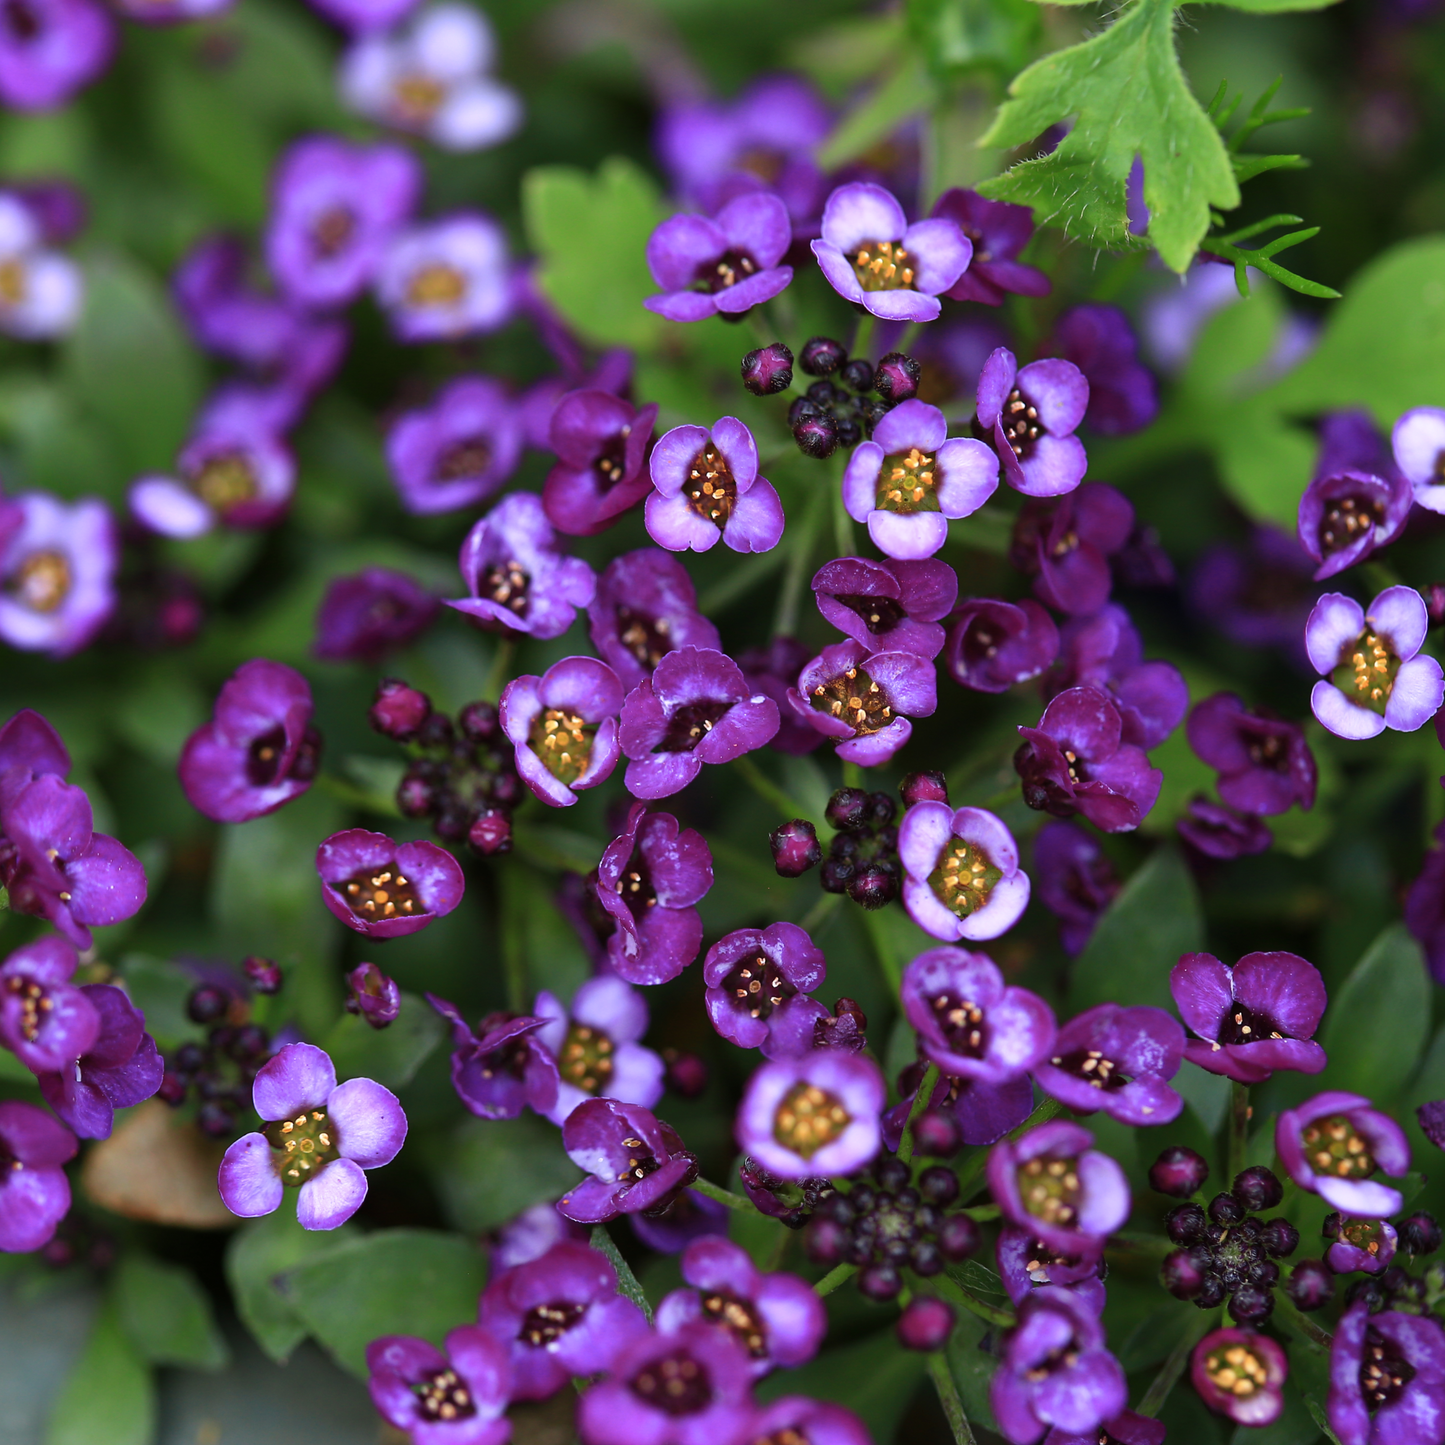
(219, 1072)
(849, 398)
(862, 859)
(886, 1223)
(80, 1240)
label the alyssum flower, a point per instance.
(865, 701)
(34, 1192)
(563, 726)
(888, 606)
(993, 644)
(758, 982)
(456, 1398)
(458, 451)
(501, 1067)
(963, 877)
(1031, 413)
(1119, 1060)
(637, 1162)
(645, 606)
(1334, 1142)
(386, 889)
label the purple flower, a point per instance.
(1333, 1142)
(888, 606)
(259, 750)
(691, 1387)
(1240, 1374)
(874, 258)
(1253, 1018)
(1032, 414)
(120, 1068)
(696, 708)
(1364, 1246)
(726, 265)
(1264, 764)
(1075, 762)
(370, 613)
(688, 1217)
(44, 1020)
(1077, 882)
(912, 478)
(1374, 675)
(1350, 509)
(1418, 442)
(34, 1192)
(1258, 595)
(1387, 1378)
(226, 314)
(1221, 832)
(706, 486)
(45, 290)
(446, 278)
(517, 578)
(982, 1112)
(363, 15)
(644, 607)
(814, 1114)
(865, 701)
(993, 644)
(595, 1043)
(457, 452)
(816, 1421)
(1119, 1060)
(1424, 905)
(1126, 1428)
(1055, 1371)
(1099, 340)
(1026, 1264)
(319, 1139)
(777, 1319)
(637, 1162)
(57, 572)
(1065, 546)
(501, 1067)
(601, 442)
(563, 727)
(649, 880)
(963, 877)
(455, 1398)
(49, 49)
(334, 208)
(386, 889)
(530, 1234)
(772, 671)
(997, 232)
(372, 995)
(758, 982)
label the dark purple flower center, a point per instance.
(610, 463)
(740, 1319)
(857, 699)
(35, 1003)
(508, 585)
(469, 457)
(1267, 749)
(442, 1395)
(546, 1324)
(510, 1057)
(726, 271)
(1346, 519)
(21, 19)
(908, 482)
(563, 741)
(304, 1145)
(964, 877)
(646, 638)
(675, 1383)
(586, 1058)
(1367, 670)
(1385, 1373)
(224, 481)
(263, 757)
(1093, 1068)
(883, 266)
(641, 1162)
(1236, 1370)
(981, 253)
(690, 724)
(1334, 1146)
(757, 986)
(332, 231)
(1050, 1189)
(380, 893)
(962, 1024)
(980, 642)
(1020, 421)
(711, 490)
(635, 888)
(1242, 1025)
(1041, 1259)
(879, 614)
(41, 581)
(807, 1118)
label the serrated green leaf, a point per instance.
(166, 1314)
(391, 1055)
(109, 1397)
(491, 1169)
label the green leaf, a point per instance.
(109, 1397)
(491, 1169)
(1385, 998)
(394, 1282)
(1154, 919)
(391, 1055)
(972, 1368)
(957, 35)
(166, 1314)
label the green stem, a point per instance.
(497, 678)
(820, 912)
(973, 1166)
(1238, 1126)
(949, 1287)
(984, 1212)
(514, 942)
(862, 335)
(883, 948)
(835, 1276)
(741, 579)
(626, 1280)
(352, 795)
(1155, 1246)
(1173, 1367)
(801, 553)
(768, 790)
(842, 522)
(852, 775)
(948, 1397)
(1300, 1322)
(725, 1196)
(920, 1103)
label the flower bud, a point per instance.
(491, 831)
(923, 788)
(1279, 1238)
(849, 432)
(436, 731)
(1225, 1209)
(835, 875)
(1370, 1290)
(768, 370)
(822, 356)
(957, 1237)
(1186, 1224)
(938, 1185)
(686, 1074)
(172, 1090)
(1211, 1293)
(1434, 595)
(1419, 1234)
(215, 1121)
(479, 722)
(1257, 1189)
(897, 377)
(207, 1003)
(415, 795)
(398, 710)
(1178, 1172)
(882, 810)
(880, 1282)
(248, 1043)
(873, 886)
(1183, 1271)
(925, 1324)
(935, 1135)
(795, 848)
(1251, 1305)
(857, 375)
(845, 1028)
(816, 436)
(1310, 1285)
(373, 995)
(826, 1240)
(847, 809)
(265, 976)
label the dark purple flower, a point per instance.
(1077, 882)
(706, 487)
(530, 1234)
(1387, 1378)
(758, 982)
(1333, 1142)
(649, 880)
(1418, 442)
(120, 1068)
(56, 207)
(689, 1216)
(370, 613)
(386, 889)
(998, 231)
(563, 727)
(455, 1398)
(1119, 1060)
(1424, 905)
(1240, 1374)
(601, 442)
(285, 388)
(644, 607)
(993, 644)
(1222, 832)
(457, 452)
(772, 671)
(1258, 595)
(796, 1417)
(334, 208)
(364, 15)
(320, 1138)
(1031, 415)
(1374, 675)
(517, 578)
(963, 877)
(874, 258)
(226, 314)
(259, 750)
(1099, 340)
(29, 748)
(696, 708)
(979, 1113)
(1357, 501)
(49, 49)
(1026, 1264)
(969, 1022)
(817, 1113)
(595, 1043)
(1251, 1019)
(446, 278)
(45, 1021)
(1264, 764)
(501, 1067)
(373, 995)
(726, 265)
(865, 701)
(1363, 1246)
(1055, 1371)
(57, 572)
(1075, 762)
(637, 1162)
(561, 1316)
(1065, 546)
(1126, 1428)
(34, 1192)
(777, 1319)
(912, 478)
(888, 606)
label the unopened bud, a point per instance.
(1310, 1285)
(822, 356)
(795, 848)
(873, 886)
(925, 1324)
(816, 436)
(1178, 1172)
(491, 831)
(373, 995)
(479, 722)
(1434, 596)
(768, 370)
(1257, 1189)
(265, 975)
(847, 809)
(398, 710)
(1419, 1234)
(685, 1075)
(857, 375)
(923, 788)
(897, 377)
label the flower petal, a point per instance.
(370, 1124)
(299, 1077)
(249, 1184)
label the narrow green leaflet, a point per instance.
(109, 1398)
(166, 1314)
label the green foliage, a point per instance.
(166, 1314)
(956, 37)
(391, 1055)
(489, 1170)
(109, 1397)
